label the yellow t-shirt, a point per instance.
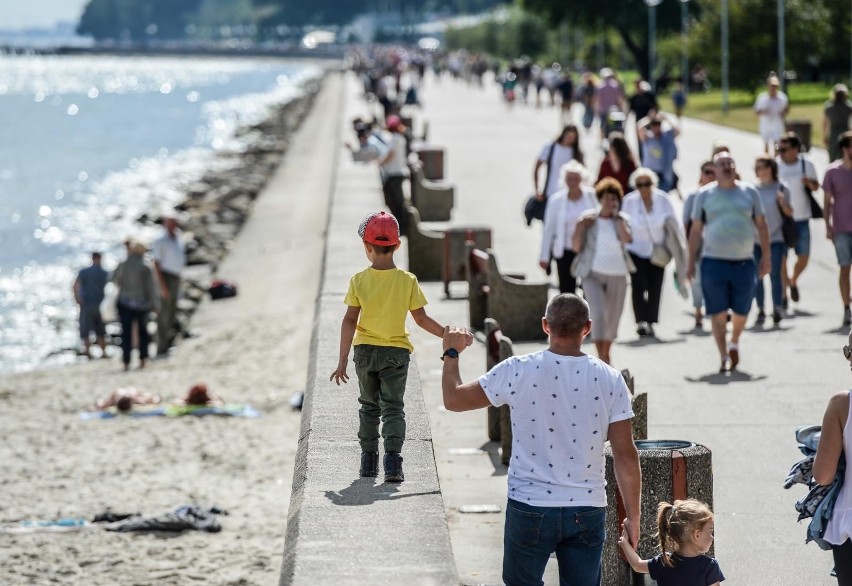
(385, 298)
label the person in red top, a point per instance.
(619, 162)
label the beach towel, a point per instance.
(176, 411)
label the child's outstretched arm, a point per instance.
(347, 332)
(638, 564)
(431, 326)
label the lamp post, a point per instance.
(725, 56)
(652, 40)
(684, 65)
(781, 65)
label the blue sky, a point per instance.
(38, 13)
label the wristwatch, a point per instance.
(451, 352)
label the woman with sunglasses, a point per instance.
(603, 263)
(708, 175)
(649, 209)
(835, 439)
(776, 201)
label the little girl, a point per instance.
(686, 534)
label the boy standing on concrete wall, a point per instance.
(378, 300)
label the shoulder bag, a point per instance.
(534, 208)
(660, 255)
(788, 228)
(816, 209)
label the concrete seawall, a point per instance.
(343, 529)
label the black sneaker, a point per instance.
(369, 464)
(393, 467)
(761, 317)
(777, 316)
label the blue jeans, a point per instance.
(576, 534)
(776, 253)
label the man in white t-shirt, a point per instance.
(800, 175)
(565, 406)
(771, 108)
(169, 253)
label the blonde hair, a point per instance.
(676, 520)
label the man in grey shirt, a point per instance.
(726, 214)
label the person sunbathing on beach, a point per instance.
(199, 396)
(124, 399)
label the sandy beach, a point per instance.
(252, 349)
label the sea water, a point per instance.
(90, 143)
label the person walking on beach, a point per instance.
(800, 176)
(169, 252)
(726, 214)
(89, 293)
(138, 296)
(771, 108)
(557, 497)
(835, 121)
(378, 300)
(837, 189)
(685, 530)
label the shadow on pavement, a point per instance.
(697, 332)
(652, 341)
(724, 378)
(842, 330)
(364, 491)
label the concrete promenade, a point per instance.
(746, 418)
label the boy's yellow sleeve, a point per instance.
(351, 298)
(418, 299)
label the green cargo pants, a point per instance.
(382, 372)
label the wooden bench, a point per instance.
(425, 249)
(516, 305)
(498, 348)
(433, 200)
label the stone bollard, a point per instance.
(671, 470)
(432, 158)
(640, 407)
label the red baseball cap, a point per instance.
(393, 122)
(380, 228)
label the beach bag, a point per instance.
(788, 229)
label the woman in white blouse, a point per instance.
(563, 210)
(649, 209)
(603, 263)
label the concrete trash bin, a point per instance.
(802, 128)
(432, 158)
(671, 470)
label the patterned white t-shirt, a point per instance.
(561, 410)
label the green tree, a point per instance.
(753, 38)
(628, 17)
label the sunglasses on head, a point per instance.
(847, 352)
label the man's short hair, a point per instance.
(845, 140)
(96, 255)
(567, 315)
